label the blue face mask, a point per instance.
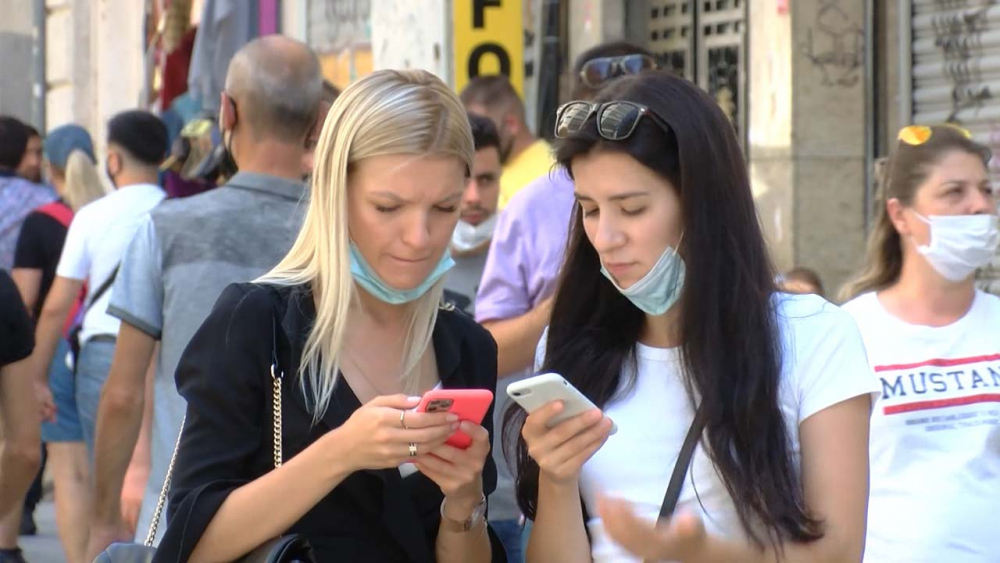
(366, 277)
(658, 290)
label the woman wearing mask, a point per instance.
(71, 167)
(352, 320)
(932, 340)
(667, 307)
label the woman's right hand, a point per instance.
(46, 402)
(562, 450)
(376, 439)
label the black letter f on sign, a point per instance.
(478, 9)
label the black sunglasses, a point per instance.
(598, 71)
(616, 121)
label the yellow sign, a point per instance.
(489, 40)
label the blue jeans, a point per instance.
(510, 533)
(92, 370)
(62, 382)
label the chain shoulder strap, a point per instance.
(162, 501)
(276, 376)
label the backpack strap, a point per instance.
(58, 211)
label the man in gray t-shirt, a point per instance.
(471, 241)
(188, 250)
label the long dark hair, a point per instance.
(731, 346)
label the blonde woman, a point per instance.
(933, 340)
(353, 319)
(69, 158)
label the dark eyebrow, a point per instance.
(619, 197)
(956, 182)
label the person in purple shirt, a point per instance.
(18, 197)
(521, 271)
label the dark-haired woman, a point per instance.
(668, 307)
(934, 342)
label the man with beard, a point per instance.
(470, 243)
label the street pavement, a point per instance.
(44, 547)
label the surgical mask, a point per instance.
(227, 167)
(960, 244)
(111, 177)
(107, 170)
(366, 277)
(470, 237)
(659, 289)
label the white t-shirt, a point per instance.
(95, 244)
(935, 435)
(823, 364)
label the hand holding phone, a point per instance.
(563, 430)
(535, 392)
(468, 404)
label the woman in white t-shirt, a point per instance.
(933, 340)
(667, 301)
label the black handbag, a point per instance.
(291, 548)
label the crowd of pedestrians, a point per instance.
(211, 372)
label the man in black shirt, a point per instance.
(20, 454)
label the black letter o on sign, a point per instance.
(493, 49)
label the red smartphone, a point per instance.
(468, 404)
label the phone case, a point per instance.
(468, 404)
(535, 392)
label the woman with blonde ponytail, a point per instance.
(81, 182)
(933, 341)
(351, 324)
(70, 164)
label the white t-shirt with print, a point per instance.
(95, 243)
(935, 435)
(824, 364)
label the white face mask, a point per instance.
(469, 237)
(960, 244)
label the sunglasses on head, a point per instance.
(916, 135)
(616, 120)
(598, 71)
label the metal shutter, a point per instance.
(956, 76)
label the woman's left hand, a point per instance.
(679, 539)
(458, 472)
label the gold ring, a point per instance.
(413, 449)
(402, 414)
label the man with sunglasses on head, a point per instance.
(515, 293)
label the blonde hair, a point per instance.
(388, 112)
(900, 177)
(82, 183)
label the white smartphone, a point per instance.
(533, 393)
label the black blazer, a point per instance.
(224, 374)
